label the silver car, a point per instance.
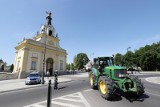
(33, 78)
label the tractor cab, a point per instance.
(103, 62)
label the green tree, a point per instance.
(68, 67)
(12, 67)
(72, 67)
(129, 59)
(81, 59)
(147, 57)
(119, 59)
(2, 67)
(158, 58)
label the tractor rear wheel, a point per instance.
(92, 80)
(105, 86)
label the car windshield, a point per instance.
(33, 75)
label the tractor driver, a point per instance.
(101, 67)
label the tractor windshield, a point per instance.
(107, 61)
(110, 62)
(120, 73)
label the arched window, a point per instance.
(50, 33)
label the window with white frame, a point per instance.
(33, 65)
(61, 65)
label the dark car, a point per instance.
(33, 78)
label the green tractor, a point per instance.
(112, 80)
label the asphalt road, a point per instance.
(77, 93)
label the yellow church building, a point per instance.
(31, 53)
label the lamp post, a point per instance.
(91, 56)
(113, 58)
(128, 48)
(44, 60)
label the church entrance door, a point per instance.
(49, 66)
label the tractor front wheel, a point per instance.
(92, 80)
(139, 84)
(105, 86)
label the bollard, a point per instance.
(49, 94)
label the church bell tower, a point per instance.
(48, 28)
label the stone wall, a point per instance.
(7, 76)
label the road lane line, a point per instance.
(152, 93)
(35, 105)
(74, 95)
(153, 80)
(69, 99)
(87, 90)
(64, 104)
(84, 100)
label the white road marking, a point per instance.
(84, 100)
(87, 90)
(155, 80)
(69, 99)
(76, 97)
(152, 93)
(36, 105)
(65, 104)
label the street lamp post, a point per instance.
(44, 61)
(113, 58)
(128, 48)
(91, 56)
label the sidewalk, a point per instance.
(19, 84)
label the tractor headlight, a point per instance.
(121, 75)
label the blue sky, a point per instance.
(102, 27)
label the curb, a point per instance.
(42, 85)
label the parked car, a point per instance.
(33, 78)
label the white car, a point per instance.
(33, 78)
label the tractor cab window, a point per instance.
(110, 61)
(107, 62)
(120, 73)
(96, 63)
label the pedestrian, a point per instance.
(56, 80)
(48, 74)
(101, 67)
